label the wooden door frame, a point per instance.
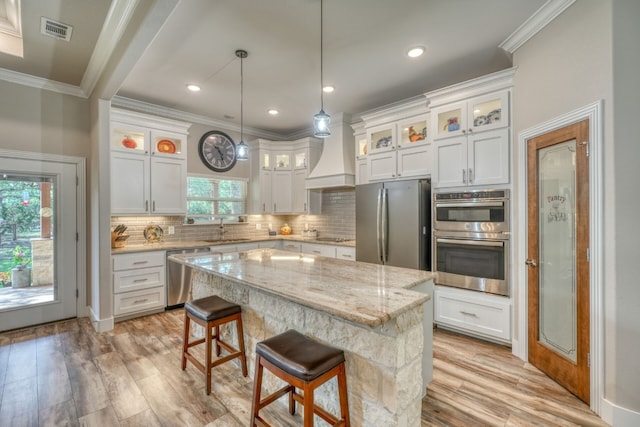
(592, 112)
(81, 217)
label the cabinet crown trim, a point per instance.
(479, 86)
(396, 111)
(138, 119)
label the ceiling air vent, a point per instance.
(55, 29)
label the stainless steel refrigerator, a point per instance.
(393, 223)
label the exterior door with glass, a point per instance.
(558, 256)
(38, 247)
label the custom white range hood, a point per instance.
(336, 167)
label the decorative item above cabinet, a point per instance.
(148, 164)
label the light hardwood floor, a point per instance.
(64, 373)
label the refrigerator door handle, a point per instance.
(378, 219)
(384, 225)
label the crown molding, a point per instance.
(146, 107)
(114, 26)
(536, 22)
(40, 83)
(488, 83)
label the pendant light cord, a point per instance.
(241, 99)
(321, 66)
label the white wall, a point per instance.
(568, 65)
(195, 165)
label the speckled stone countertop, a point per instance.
(182, 244)
(360, 292)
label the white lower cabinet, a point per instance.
(346, 252)
(328, 251)
(476, 313)
(138, 283)
(275, 244)
(291, 246)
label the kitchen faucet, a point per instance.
(221, 227)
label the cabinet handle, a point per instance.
(399, 145)
(153, 206)
(316, 252)
(140, 262)
(274, 207)
(264, 208)
(470, 175)
(140, 301)
(305, 207)
(346, 256)
(464, 131)
(393, 175)
(470, 130)
(140, 280)
(469, 314)
(399, 174)
(146, 206)
(464, 176)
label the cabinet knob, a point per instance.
(464, 131)
(470, 130)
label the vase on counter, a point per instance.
(21, 277)
(285, 229)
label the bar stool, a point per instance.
(211, 313)
(303, 364)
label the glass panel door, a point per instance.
(27, 229)
(557, 248)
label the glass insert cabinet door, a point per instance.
(557, 249)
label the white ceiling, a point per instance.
(365, 44)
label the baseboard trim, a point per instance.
(100, 325)
(618, 416)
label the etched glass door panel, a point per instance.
(557, 248)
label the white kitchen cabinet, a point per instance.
(361, 147)
(346, 252)
(471, 132)
(475, 313)
(328, 251)
(278, 177)
(148, 164)
(290, 246)
(138, 283)
(399, 150)
(274, 244)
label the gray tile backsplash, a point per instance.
(337, 220)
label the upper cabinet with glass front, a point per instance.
(476, 114)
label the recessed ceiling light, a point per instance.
(273, 112)
(328, 89)
(193, 87)
(414, 52)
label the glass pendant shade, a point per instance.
(242, 151)
(321, 122)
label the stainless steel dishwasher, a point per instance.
(179, 278)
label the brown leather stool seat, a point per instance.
(304, 364)
(211, 313)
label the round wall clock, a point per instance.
(217, 151)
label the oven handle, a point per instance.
(471, 242)
(470, 205)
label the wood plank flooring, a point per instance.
(65, 374)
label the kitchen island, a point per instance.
(380, 316)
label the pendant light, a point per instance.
(242, 149)
(321, 120)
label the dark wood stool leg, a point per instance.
(216, 337)
(257, 388)
(342, 392)
(208, 357)
(243, 356)
(308, 405)
(185, 341)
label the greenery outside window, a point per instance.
(210, 198)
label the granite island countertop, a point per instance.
(363, 293)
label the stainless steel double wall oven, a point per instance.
(471, 240)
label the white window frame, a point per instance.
(216, 218)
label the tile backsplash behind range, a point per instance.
(337, 220)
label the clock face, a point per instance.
(217, 151)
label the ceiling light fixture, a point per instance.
(273, 112)
(193, 87)
(321, 120)
(415, 52)
(328, 89)
(242, 149)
